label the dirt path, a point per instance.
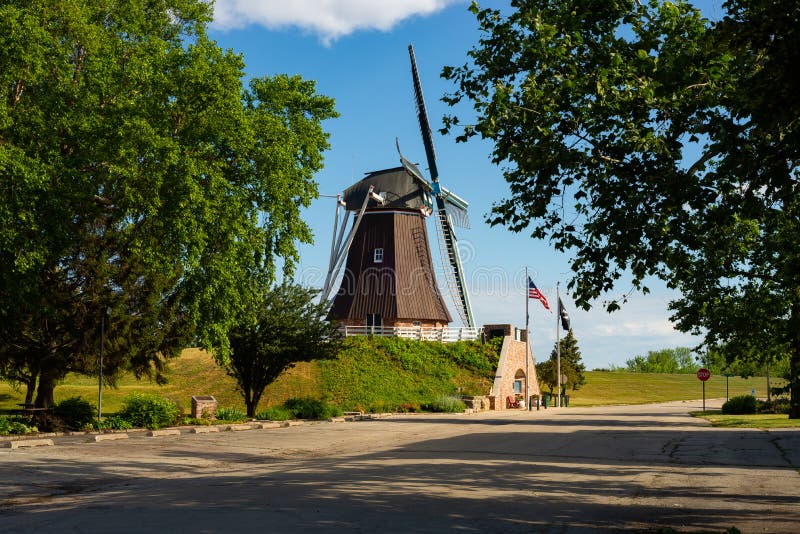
(619, 468)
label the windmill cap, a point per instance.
(398, 187)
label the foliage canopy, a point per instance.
(677, 360)
(571, 365)
(286, 326)
(650, 141)
(143, 185)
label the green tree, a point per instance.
(677, 360)
(546, 373)
(286, 327)
(652, 142)
(139, 176)
(727, 360)
(571, 365)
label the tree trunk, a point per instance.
(30, 387)
(252, 402)
(794, 363)
(249, 402)
(794, 378)
(44, 393)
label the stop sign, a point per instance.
(703, 374)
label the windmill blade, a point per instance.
(448, 246)
(458, 216)
(456, 207)
(454, 273)
(411, 167)
(422, 116)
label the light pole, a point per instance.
(106, 311)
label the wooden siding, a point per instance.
(403, 286)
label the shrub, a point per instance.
(776, 406)
(275, 413)
(75, 412)
(112, 423)
(15, 425)
(445, 405)
(308, 408)
(408, 407)
(194, 421)
(743, 404)
(149, 410)
(231, 414)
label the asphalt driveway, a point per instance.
(637, 468)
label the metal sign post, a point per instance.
(727, 376)
(703, 375)
(527, 345)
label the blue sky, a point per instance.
(356, 50)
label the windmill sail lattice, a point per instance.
(449, 208)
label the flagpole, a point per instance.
(527, 343)
(558, 342)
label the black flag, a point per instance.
(564, 317)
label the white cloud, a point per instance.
(330, 19)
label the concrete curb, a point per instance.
(293, 423)
(164, 432)
(238, 428)
(371, 416)
(264, 426)
(203, 429)
(9, 442)
(27, 443)
(107, 437)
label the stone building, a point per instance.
(510, 379)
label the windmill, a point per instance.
(389, 278)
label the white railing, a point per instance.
(443, 335)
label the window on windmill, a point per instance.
(377, 255)
(518, 387)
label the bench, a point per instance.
(30, 409)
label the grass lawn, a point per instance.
(606, 388)
(194, 372)
(749, 421)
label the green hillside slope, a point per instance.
(371, 373)
(388, 374)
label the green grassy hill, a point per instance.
(194, 372)
(387, 374)
(390, 374)
(604, 388)
(370, 374)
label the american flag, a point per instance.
(534, 293)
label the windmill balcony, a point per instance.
(442, 335)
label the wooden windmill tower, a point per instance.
(389, 279)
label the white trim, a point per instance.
(443, 335)
(378, 211)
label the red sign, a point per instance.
(703, 374)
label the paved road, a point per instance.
(635, 468)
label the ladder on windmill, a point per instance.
(448, 250)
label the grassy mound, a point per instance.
(375, 374)
(394, 374)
